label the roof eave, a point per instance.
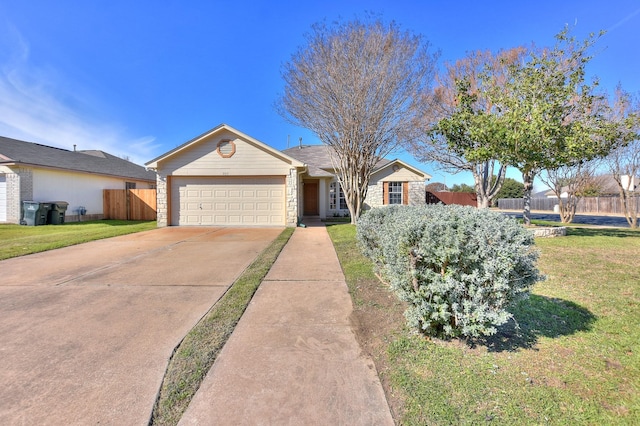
(292, 161)
(426, 176)
(64, 169)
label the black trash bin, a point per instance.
(57, 212)
(34, 213)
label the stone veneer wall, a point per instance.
(550, 231)
(19, 189)
(417, 194)
(293, 196)
(161, 200)
(375, 198)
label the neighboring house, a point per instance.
(447, 198)
(540, 194)
(34, 172)
(225, 177)
(436, 187)
(606, 185)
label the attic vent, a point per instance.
(226, 148)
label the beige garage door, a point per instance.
(257, 201)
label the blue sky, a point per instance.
(138, 78)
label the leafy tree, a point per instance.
(460, 120)
(355, 85)
(462, 187)
(574, 181)
(511, 188)
(550, 115)
(624, 161)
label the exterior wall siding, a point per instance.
(202, 159)
(401, 175)
(78, 189)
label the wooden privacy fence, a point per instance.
(129, 204)
(594, 205)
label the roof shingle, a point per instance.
(14, 151)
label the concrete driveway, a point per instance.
(86, 331)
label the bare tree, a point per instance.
(457, 120)
(355, 85)
(624, 162)
(569, 184)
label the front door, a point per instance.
(311, 198)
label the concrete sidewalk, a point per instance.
(293, 359)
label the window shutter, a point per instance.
(385, 193)
(405, 193)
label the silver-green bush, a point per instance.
(459, 268)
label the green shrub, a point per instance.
(459, 268)
(368, 229)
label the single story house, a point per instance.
(225, 177)
(35, 172)
(392, 182)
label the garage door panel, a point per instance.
(228, 201)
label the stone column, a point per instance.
(161, 201)
(292, 196)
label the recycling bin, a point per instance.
(57, 212)
(35, 213)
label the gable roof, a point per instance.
(261, 145)
(403, 164)
(319, 161)
(16, 152)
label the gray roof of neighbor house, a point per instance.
(317, 158)
(17, 152)
(606, 184)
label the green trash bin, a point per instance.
(57, 212)
(35, 213)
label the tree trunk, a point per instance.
(527, 178)
(486, 186)
(629, 207)
(483, 202)
(568, 209)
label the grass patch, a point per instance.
(20, 240)
(195, 355)
(572, 355)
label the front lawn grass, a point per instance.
(571, 356)
(197, 352)
(19, 240)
